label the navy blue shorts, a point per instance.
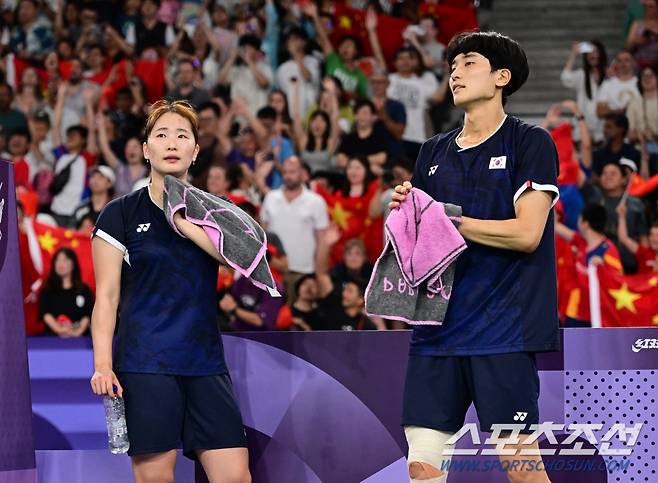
(163, 411)
(439, 390)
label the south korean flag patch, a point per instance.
(498, 162)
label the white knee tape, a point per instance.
(427, 446)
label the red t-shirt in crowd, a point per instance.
(646, 260)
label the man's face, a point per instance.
(149, 8)
(347, 50)
(185, 74)
(352, 296)
(207, 121)
(612, 178)
(247, 145)
(292, 174)
(611, 131)
(379, 84)
(404, 63)
(364, 117)
(308, 290)
(74, 141)
(76, 72)
(18, 145)
(5, 98)
(625, 63)
(39, 130)
(95, 59)
(472, 80)
(27, 13)
(217, 182)
(429, 28)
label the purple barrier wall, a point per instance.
(325, 407)
(17, 462)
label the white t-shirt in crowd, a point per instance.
(414, 92)
(618, 94)
(575, 79)
(308, 91)
(67, 200)
(245, 85)
(295, 223)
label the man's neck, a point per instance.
(625, 77)
(292, 193)
(352, 311)
(304, 305)
(186, 89)
(480, 122)
(593, 239)
(406, 75)
(616, 145)
(615, 193)
(364, 132)
(98, 200)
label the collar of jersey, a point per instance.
(460, 149)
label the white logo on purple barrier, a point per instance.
(644, 344)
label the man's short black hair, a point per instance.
(212, 106)
(298, 32)
(266, 112)
(20, 131)
(595, 215)
(501, 51)
(362, 102)
(80, 129)
(358, 45)
(249, 39)
(360, 284)
(619, 120)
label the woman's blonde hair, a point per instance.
(182, 108)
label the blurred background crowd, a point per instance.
(309, 113)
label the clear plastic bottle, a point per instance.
(115, 418)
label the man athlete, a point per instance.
(503, 307)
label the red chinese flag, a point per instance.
(641, 187)
(350, 21)
(350, 214)
(52, 238)
(569, 169)
(628, 300)
(152, 74)
(452, 20)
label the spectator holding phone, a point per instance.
(642, 38)
(586, 81)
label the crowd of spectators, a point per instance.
(305, 130)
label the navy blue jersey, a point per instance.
(502, 300)
(167, 308)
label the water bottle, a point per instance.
(115, 418)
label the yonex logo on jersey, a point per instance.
(143, 227)
(433, 169)
(497, 162)
(520, 416)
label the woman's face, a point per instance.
(317, 126)
(594, 57)
(277, 102)
(30, 77)
(133, 151)
(648, 79)
(308, 290)
(354, 258)
(356, 172)
(51, 63)
(217, 182)
(63, 265)
(171, 147)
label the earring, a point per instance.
(147, 160)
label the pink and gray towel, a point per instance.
(238, 238)
(412, 279)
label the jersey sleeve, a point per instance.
(110, 226)
(537, 165)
